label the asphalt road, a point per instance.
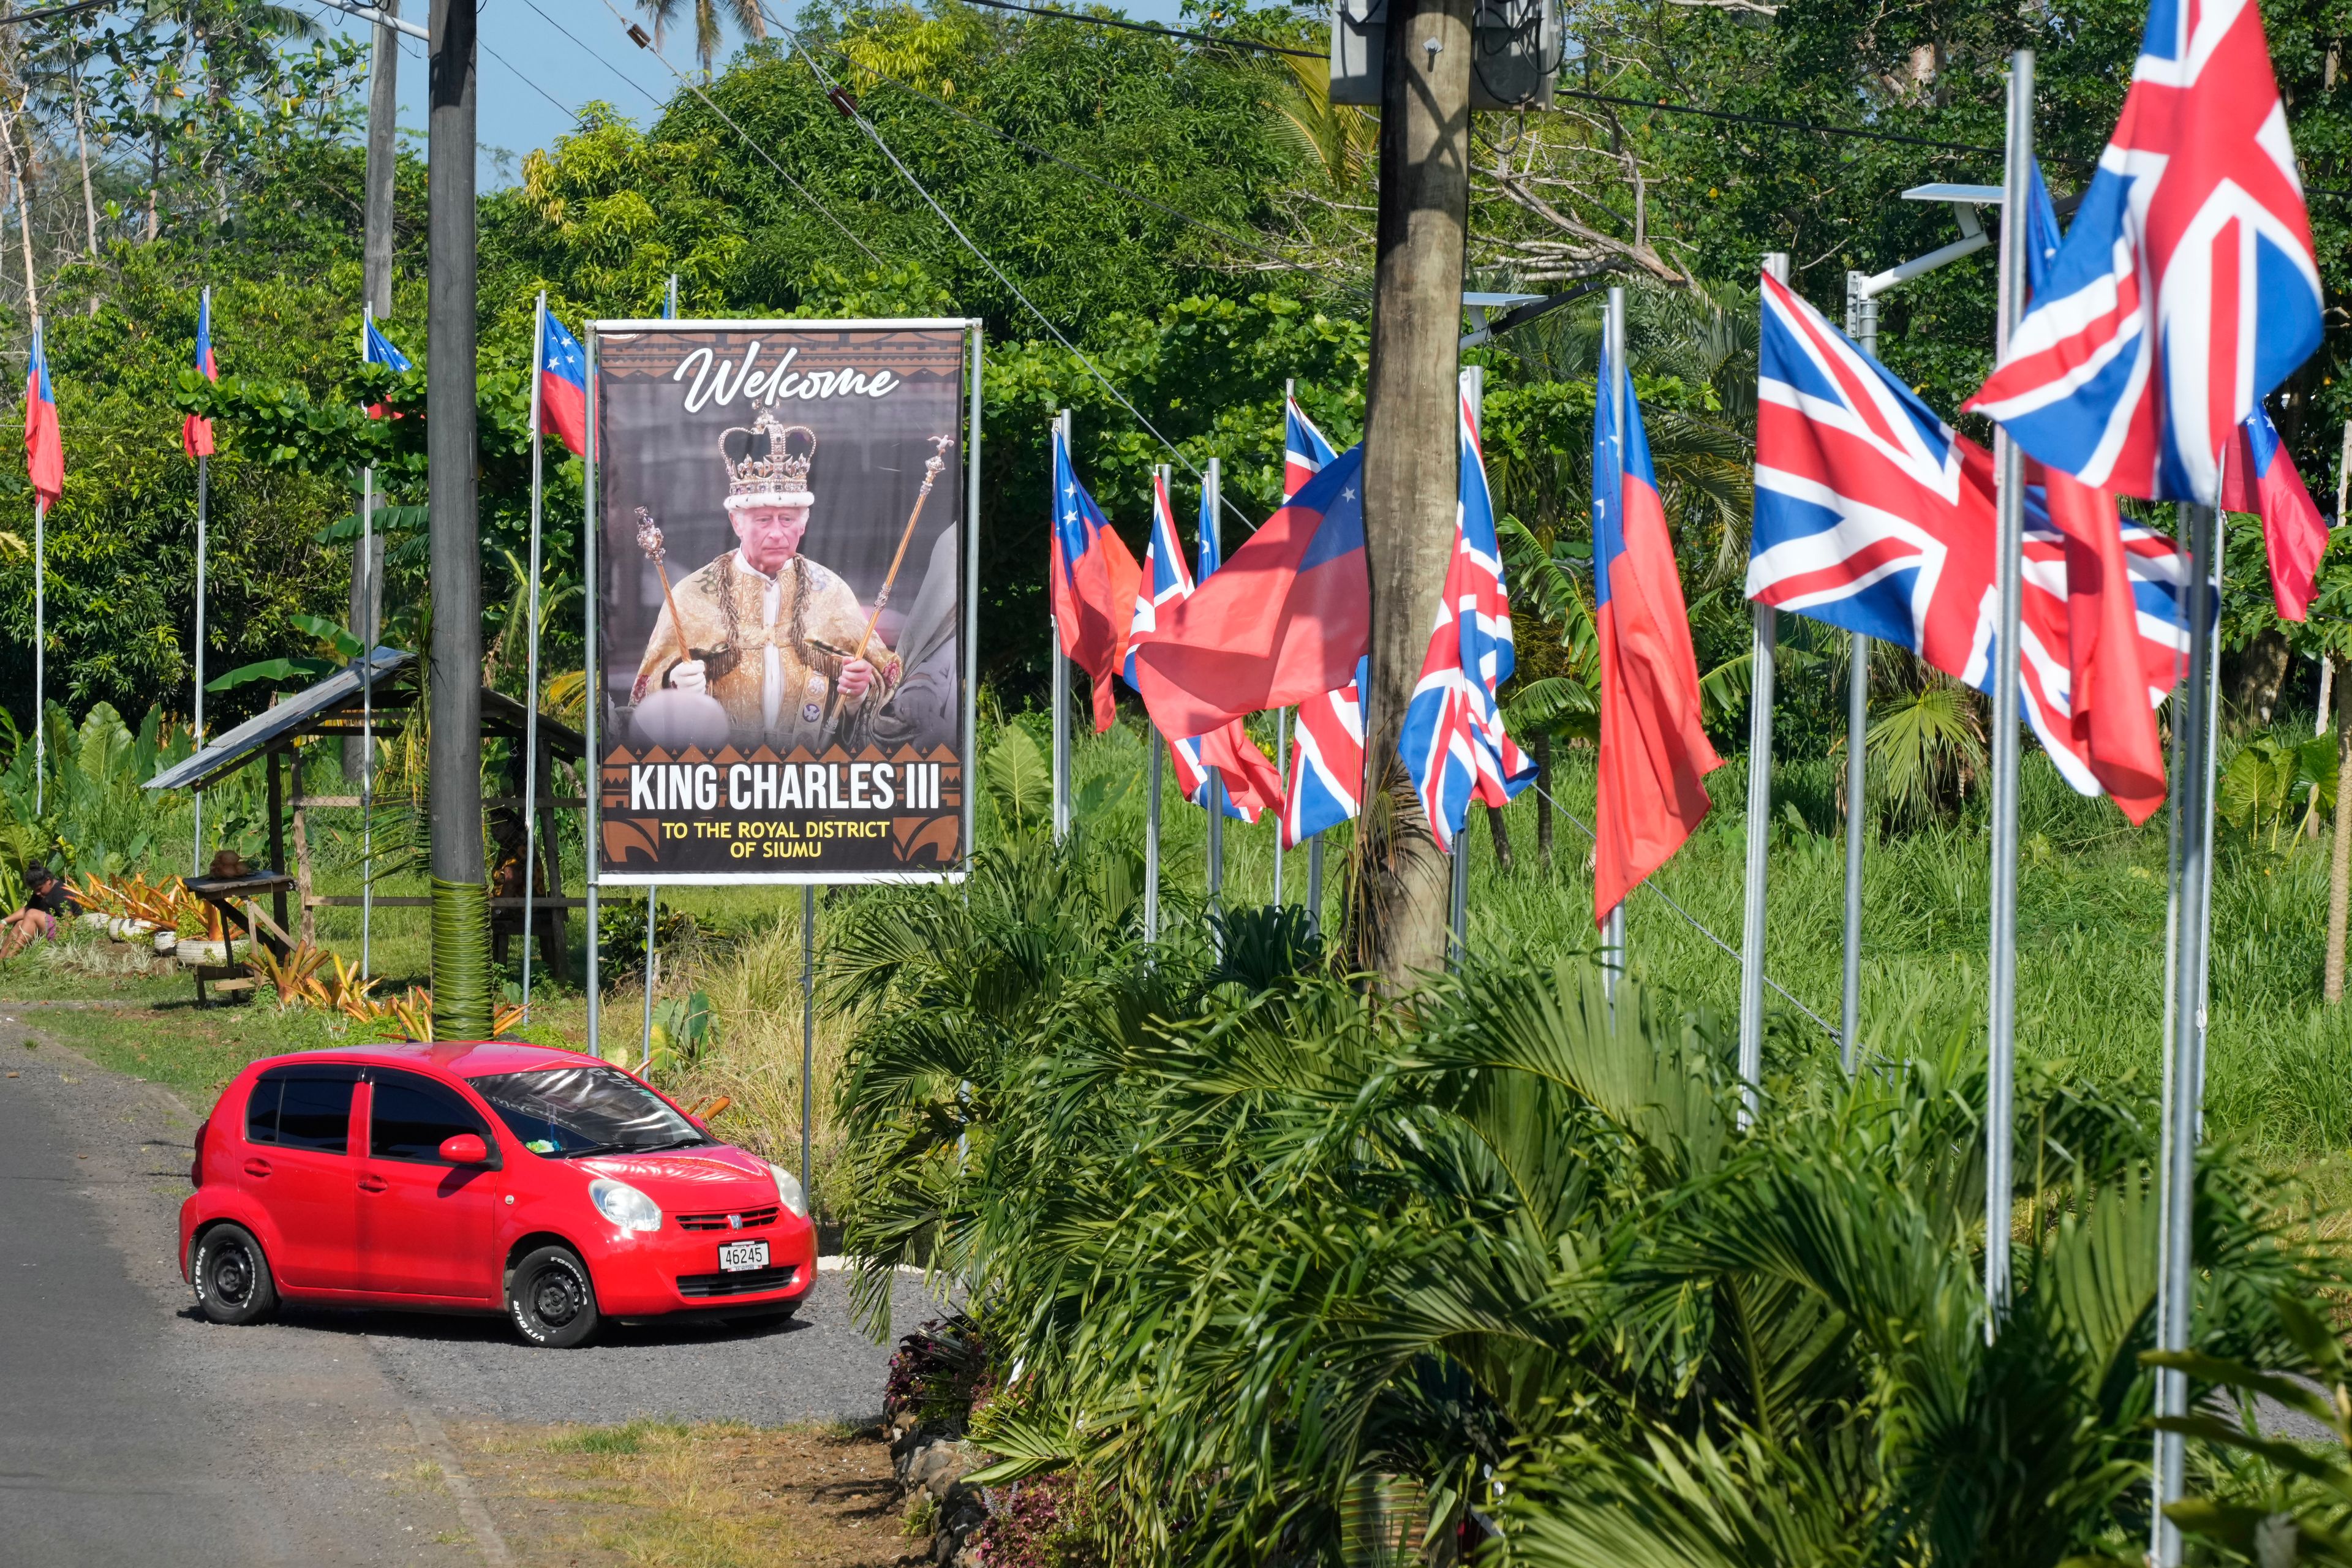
(133, 1432)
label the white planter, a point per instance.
(116, 927)
(165, 940)
(193, 952)
(137, 928)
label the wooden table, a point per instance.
(233, 897)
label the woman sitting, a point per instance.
(47, 897)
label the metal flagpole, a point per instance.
(1152, 746)
(41, 651)
(1314, 885)
(530, 681)
(1473, 383)
(808, 1025)
(1759, 829)
(1061, 667)
(204, 497)
(1613, 927)
(2184, 1071)
(2010, 464)
(669, 299)
(592, 769)
(365, 567)
(1281, 769)
(1862, 324)
(1212, 795)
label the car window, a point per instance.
(315, 1112)
(564, 1111)
(261, 1110)
(409, 1117)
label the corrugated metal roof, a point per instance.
(233, 749)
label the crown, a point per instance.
(762, 468)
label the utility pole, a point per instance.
(461, 935)
(1410, 461)
(383, 112)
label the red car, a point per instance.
(482, 1177)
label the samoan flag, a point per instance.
(1283, 621)
(1327, 754)
(196, 431)
(2187, 286)
(1655, 753)
(1874, 516)
(377, 349)
(2260, 477)
(1167, 582)
(562, 384)
(1094, 579)
(44, 452)
(1453, 743)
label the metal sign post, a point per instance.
(592, 768)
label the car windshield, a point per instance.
(569, 1112)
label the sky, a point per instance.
(541, 60)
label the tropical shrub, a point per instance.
(1262, 1258)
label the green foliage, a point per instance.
(2269, 788)
(95, 816)
(1282, 1273)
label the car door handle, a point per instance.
(372, 1184)
(257, 1167)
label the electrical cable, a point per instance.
(636, 33)
(1148, 27)
(1108, 185)
(49, 11)
(847, 106)
(1693, 920)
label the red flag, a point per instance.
(1654, 751)
(44, 452)
(195, 431)
(1095, 579)
(2109, 668)
(2259, 477)
(1284, 620)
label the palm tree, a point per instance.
(707, 36)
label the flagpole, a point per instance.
(2184, 1072)
(1281, 769)
(1861, 323)
(40, 648)
(1473, 385)
(2009, 462)
(592, 769)
(1315, 842)
(669, 299)
(1213, 794)
(1759, 829)
(1152, 746)
(1612, 925)
(197, 836)
(364, 566)
(1060, 663)
(530, 681)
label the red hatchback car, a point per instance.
(482, 1177)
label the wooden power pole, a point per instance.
(1410, 455)
(461, 935)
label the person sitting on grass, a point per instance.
(47, 897)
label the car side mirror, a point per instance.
(466, 1148)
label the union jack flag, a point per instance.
(2187, 286)
(1873, 515)
(1326, 760)
(1453, 743)
(1167, 581)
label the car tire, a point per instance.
(551, 1300)
(232, 1276)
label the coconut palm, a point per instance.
(707, 19)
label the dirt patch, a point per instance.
(712, 1494)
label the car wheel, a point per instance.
(232, 1276)
(550, 1298)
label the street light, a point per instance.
(1862, 292)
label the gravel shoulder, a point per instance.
(132, 1430)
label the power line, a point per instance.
(1148, 27)
(1108, 185)
(637, 35)
(47, 12)
(1663, 106)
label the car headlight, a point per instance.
(624, 1204)
(788, 1189)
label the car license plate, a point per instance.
(739, 1257)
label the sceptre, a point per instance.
(932, 468)
(672, 718)
(649, 540)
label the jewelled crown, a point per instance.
(763, 466)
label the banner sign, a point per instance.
(782, 629)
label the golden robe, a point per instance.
(756, 637)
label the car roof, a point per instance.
(463, 1058)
